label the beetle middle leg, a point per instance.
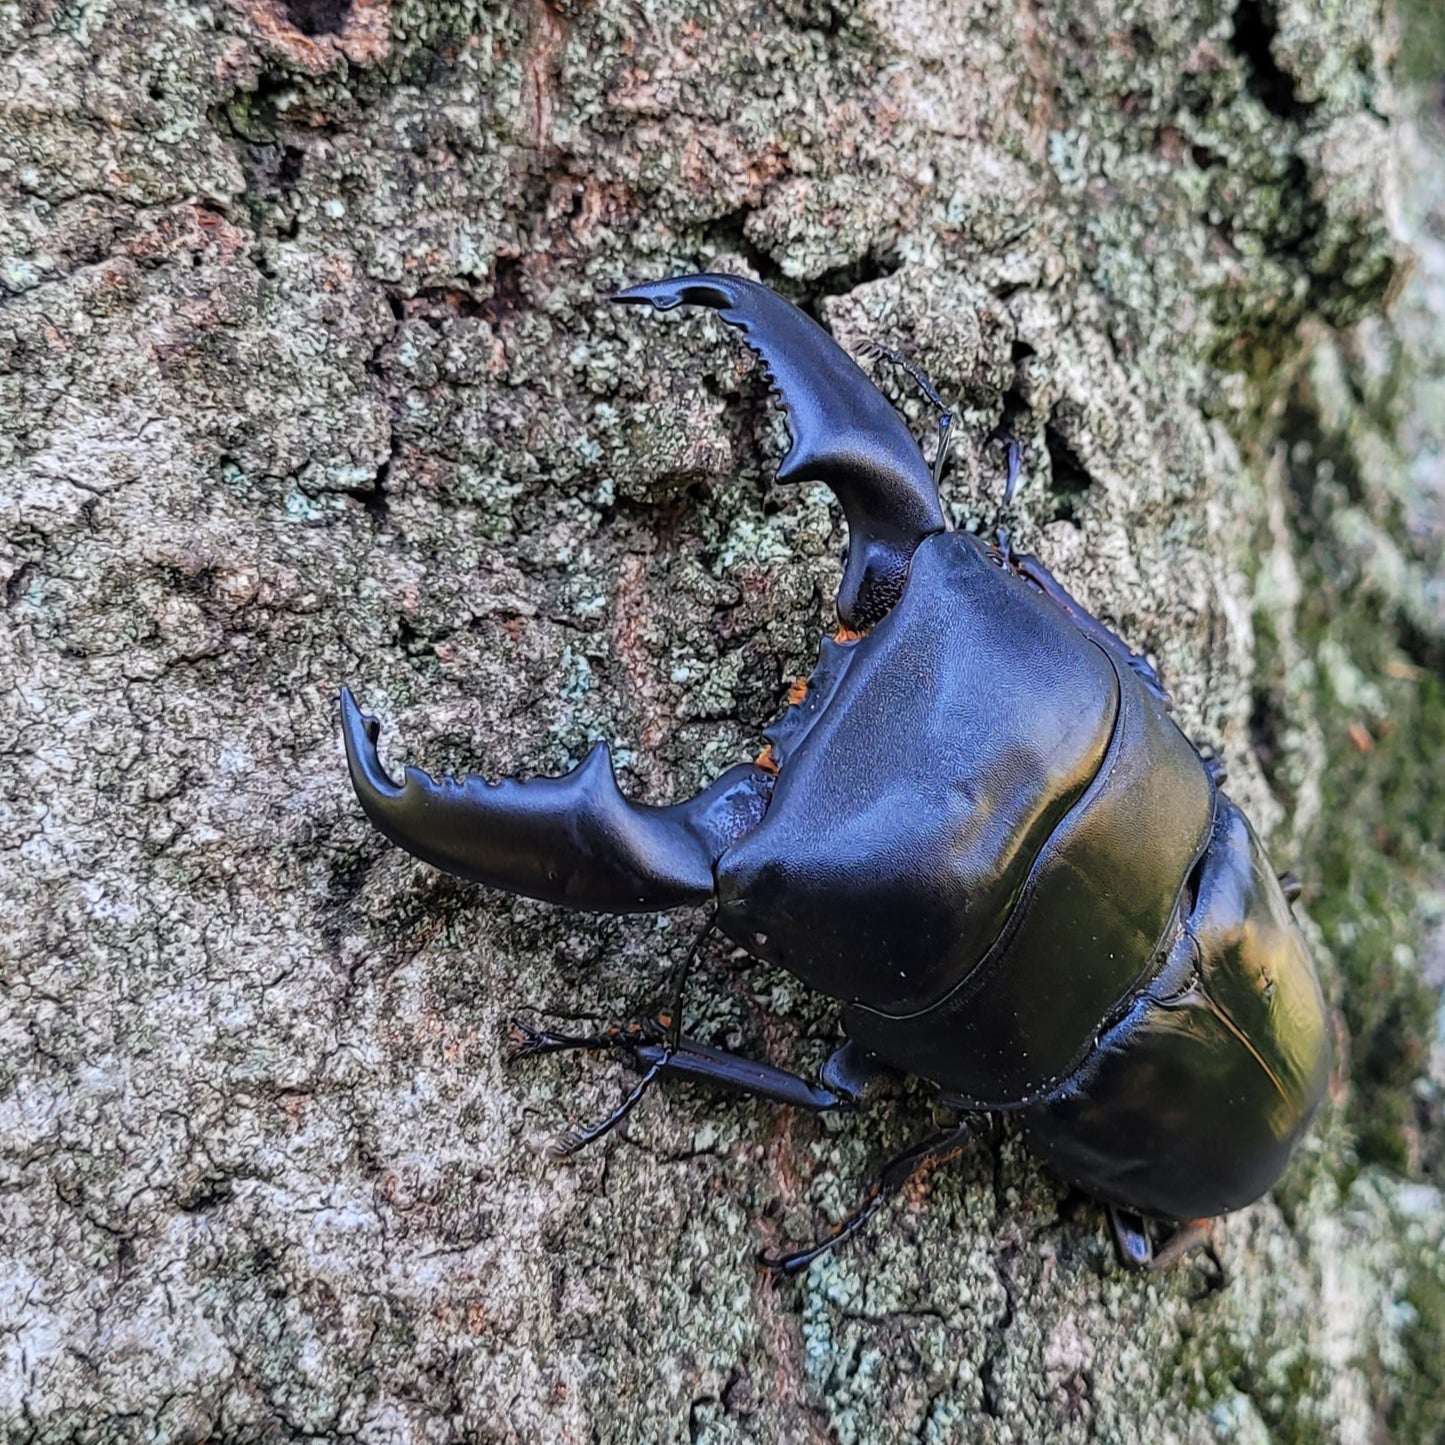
(1135, 1247)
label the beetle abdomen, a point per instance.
(1086, 930)
(916, 795)
(1193, 1102)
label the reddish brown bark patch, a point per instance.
(315, 34)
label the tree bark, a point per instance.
(306, 380)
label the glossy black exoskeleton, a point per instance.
(978, 828)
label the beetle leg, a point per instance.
(1192, 1235)
(877, 352)
(1132, 1243)
(573, 840)
(1135, 1247)
(850, 1070)
(1015, 466)
(1032, 570)
(659, 1049)
(579, 1136)
(698, 1063)
(844, 434)
(896, 1173)
(1003, 542)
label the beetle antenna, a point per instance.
(895, 1174)
(672, 1020)
(876, 351)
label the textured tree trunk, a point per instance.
(305, 379)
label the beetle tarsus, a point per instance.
(525, 1041)
(1003, 542)
(1015, 466)
(578, 1137)
(894, 1176)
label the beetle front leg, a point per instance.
(647, 1048)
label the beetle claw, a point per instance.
(523, 1041)
(783, 1267)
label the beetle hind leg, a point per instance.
(909, 1165)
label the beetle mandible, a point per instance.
(1020, 879)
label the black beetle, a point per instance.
(977, 827)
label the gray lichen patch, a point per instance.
(306, 378)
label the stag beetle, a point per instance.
(976, 826)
